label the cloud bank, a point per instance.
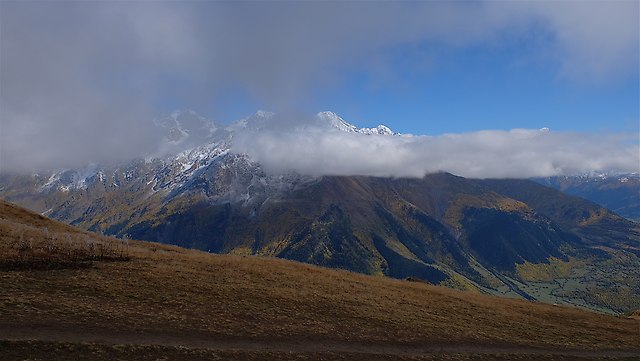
(80, 80)
(519, 153)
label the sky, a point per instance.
(80, 81)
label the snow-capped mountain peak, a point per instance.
(264, 120)
(380, 129)
(335, 121)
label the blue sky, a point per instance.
(470, 90)
(475, 89)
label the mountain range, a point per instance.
(516, 238)
(617, 192)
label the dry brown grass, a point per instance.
(45, 351)
(164, 291)
(30, 242)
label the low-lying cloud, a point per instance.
(519, 153)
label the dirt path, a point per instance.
(57, 333)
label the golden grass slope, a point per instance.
(160, 301)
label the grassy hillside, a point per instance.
(150, 301)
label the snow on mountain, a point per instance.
(619, 192)
(597, 176)
(335, 121)
(191, 146)
(66, 179)
(380, 130)
(264, 120)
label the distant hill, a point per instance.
(153, 301)
(617, 192)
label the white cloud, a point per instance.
(519, 153)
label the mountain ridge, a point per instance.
(619, 192)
